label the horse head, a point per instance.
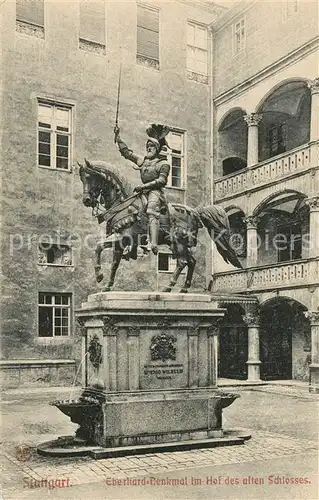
(101, 185)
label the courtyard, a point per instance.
(279, 461)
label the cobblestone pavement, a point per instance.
(262, 446)
(294, 392)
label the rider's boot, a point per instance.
(154, 230)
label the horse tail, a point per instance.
(215, 219)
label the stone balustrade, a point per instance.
(264, 173)
(301, 272)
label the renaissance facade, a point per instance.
(266, 105)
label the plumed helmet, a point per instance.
(157, 135)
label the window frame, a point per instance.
(171, 263)
(42, 26)
(54, 132)
(42, 251)
(196, 25)
(286, 12)
(234, 31)
(282, 138)
(287, 230)
(169, 156)
(54, 306)
(140, 56)
(88, 45)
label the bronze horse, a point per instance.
(112, 200)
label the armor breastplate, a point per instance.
(150, 170)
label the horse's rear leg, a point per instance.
(191, 263)
(117, 256)
(180, 264)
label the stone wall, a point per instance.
(268, 38)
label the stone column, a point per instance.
(313, 204)
(314, 123)
(313, 317)
(252, 240)
(252, 121)
(251, 318)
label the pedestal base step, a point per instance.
(99, 453)
(68, 446)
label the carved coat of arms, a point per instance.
(95, 350)
(162, 347)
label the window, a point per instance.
(54, 136)
(148, 36)
(278, 139)
(58, 255)
(239, 36)
(92, 26)
(176, 158)
(289, 8)
(289, 245)
(30, 17)
(197, 49)
(54, 315)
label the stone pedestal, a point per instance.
(153, 358)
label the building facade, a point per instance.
(60, 67)
(265, 134)
(239, 91)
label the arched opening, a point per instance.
(283, 229)
(232, 143)
(233, 344)
(233, 164)
(285, 122)
(284, 340)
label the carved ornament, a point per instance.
(253, 119)
(251, 221)
(313, 203)
(314, 86)
(162, 347)
(95, 351)
(109, 325)
(313, 317)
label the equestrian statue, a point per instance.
(141, 217)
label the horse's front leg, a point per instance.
(191, 263)
(117, 256)
(97, 268)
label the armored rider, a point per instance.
(154, 170)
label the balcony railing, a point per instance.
(280, 167)
(284, 275)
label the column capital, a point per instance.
(251, 221)
(251, 319)
(313, 317)
(314, 86)
(313, 203)
(109, 325)
(253, 119)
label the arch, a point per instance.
(233, 209)
(285, 339)
(232, 164)
(236, 109)
(282, 298)
(273, 196)
(276, 87)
